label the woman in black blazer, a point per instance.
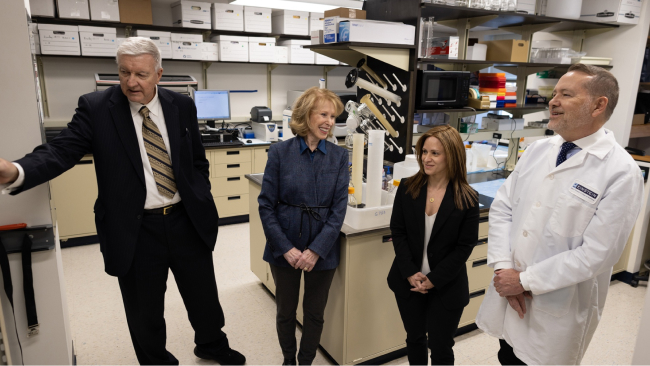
(435, 212)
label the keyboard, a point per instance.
(217, 143)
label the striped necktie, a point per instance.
(158, 158)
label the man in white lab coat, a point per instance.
(557, 227)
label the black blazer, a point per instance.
(103, 126)
(454, 235)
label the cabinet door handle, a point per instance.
(477, 294)
(85, 162)
(234, 198)
(232, 166)
(232, 152)
(233, 178)
(482, 262)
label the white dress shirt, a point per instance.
(154, 198)
(428, 226)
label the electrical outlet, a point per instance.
(496, 136)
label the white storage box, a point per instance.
(316, 36)
(611, 11)
(371, 31)
(59, 39)
(291, 22)
(73, 9)
(281, 55)
(98, 41)
(506, 124)
(34, 41)
(42, 8)
(257, 19)
(261, 49)
(162, 39)
(119, 41)
(210, 51)
(191, 14)
(232, 48)
(297, 54)
(316, 21)
(186, 46)
(476, 52)
(324, 60)
(104, 10)
(370, 218)
(526, 6)
(228, 17)
(331, 29)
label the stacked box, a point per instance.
(162, 39)
(232, 48)
(59, 39)
(98, 41)
(316, 21)
(297, 54)
(210, 51)
(281, 55)
(228, 17)
(73, 9)
(104, 10)
(261, 49)
(42, 8)
(493, 85)
(511, 97)
(290, 22)
(191, 14)
(257, 20)
(186, 46)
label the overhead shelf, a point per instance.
(498, 64)
(481, 135)
(351, 52)
(508, 19)
(526, 108)
(640, 131)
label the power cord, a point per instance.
(469, 130)
(496, 171)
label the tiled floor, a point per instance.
(100, 333)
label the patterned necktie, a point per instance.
(158, 158)
(566, 147)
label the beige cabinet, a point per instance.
(260, 158)
(228, 168)
(73, 196)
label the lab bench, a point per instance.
(362, 321)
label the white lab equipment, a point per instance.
(359, 141)
(265, 131)
(482, 153)
(354, 79)
(370, 217)
(406, 168)
(286, 130)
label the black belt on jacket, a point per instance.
(164, 210)
(311, 214)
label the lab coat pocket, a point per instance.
(570, 217)
(556, 303)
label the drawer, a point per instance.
(261, 156)
(232, 205)
(230, 170)
(479, 274)
(480, 251)
(471, 310)
(227, 156)
(483, 230)
(229, 186)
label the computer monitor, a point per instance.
(212, 104)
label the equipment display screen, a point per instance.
(212, 104)
(441, 89)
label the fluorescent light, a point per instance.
(287, 5)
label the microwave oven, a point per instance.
(442, 89)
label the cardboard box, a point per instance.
(290, 22)
(297, 54)
(316, 21)
(186, 46)
(507, 50)
(191, 14)
(257, 20)
(104, 10)
(346, 13)
(371, 31)
(281, 55)
(232, 48)
(59, 39)
(611, 11)
(331, 29)
(42, 8)
(228, 17)
(73, 9)
(261, 49)
(98, 41)
(162, 39)
(34, 41)
(638, 119)
(135, 11)
(210, 51)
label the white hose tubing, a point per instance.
(361, 83)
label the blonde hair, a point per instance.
(464, 195)
(306, 103)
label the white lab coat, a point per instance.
(564, 228)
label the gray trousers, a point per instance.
(287, 292)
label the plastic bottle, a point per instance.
(384, 182)
(352, 202)
(429, 33)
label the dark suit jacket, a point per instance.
(454, 235)
(103, 126)
(291, 177)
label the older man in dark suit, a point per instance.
(154, 211)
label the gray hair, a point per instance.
(136, 46)
(601, 84)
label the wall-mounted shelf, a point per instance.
(498, 64)
(481, 135)
(351, 52)
(160, 28)
(529, 108)
(508, 19)
(640, 131)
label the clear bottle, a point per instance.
(352, 202)
(429, 37)
(384, 182)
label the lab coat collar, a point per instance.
(598, 144)
(153, 105)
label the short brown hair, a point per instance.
(306, 103)
(602, 84)
(464, 195)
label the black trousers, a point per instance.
(507, 354)
(422, 314)
(287, 293)
(164, 243)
